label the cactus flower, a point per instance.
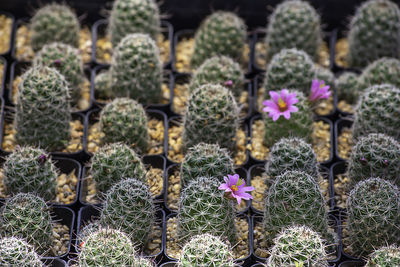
(236, 186)
(319, 90)
(282, 103)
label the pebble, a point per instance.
(5, 33)
(345, 107)
(61, 239)
(345, 143)
(341, 51)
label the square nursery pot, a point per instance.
(340, 125)
(93, 117)
(352, 264)
(99, 103)
(64, 166)
(18, 68)
(10, 36)
(52, 262)
(336, 169)
(155, 161)
(99, 30)
(3, 74)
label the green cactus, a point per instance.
(221, 33)
(374, 33)
(124, 120)
(30, 170)
(54, 23)
(206, 160)
(219, 70)
(378, 111)
(142, 262)
(206, 250)
(294, 24)
(129, 207)
(133, 16)
(27, 216)
(212, 116)
(84, 232)
(326, 75)
(298, 246)
(388, 256)
(373, 216)
(203, 209)
(347, 87)
(103, 85)
(136, 69)
(16, 252)
(43, 112)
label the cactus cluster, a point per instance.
(388, 256)
(347, 87)
(103, 85)
(16, 252)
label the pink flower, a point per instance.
(236, 186)
(228, 83)
(319, 90)
(282, 103)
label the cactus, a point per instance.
(221, 33)
(294, 24)
(43, 112)
(326, 75)
(220, 70)
(347, 87)
(388, 256)
(212, 116)
(85, 232)
(373, 216)
(206, 250)
(291, 154)
(129, 207)
(374, 155)
(30, 170)
(374, 32)
(142, 262)
(103, 85)
(16, 252)
(54, 23)
(124, 120)
(206, 160)
(114, 162)
(133, 16)
(203, 209)
(136, 69)
(27, 216)
(378, 111)
(298, 246)
(291, 69)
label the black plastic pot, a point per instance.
(99, 29)
(339, 126)
(336, 169)
(52, 262)
(7, 52)
(3, 80)
(352, 264)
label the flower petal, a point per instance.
(223, 187)
(274, 95)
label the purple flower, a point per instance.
(57, 62)
(42, 158)
(319, 90)
(282, 103)
(236, 186)
(228, 83)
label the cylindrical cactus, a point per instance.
(388, 256)
(103, 85)
(347, 87)
(16, 252)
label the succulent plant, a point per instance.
(54, 23)
(103, 85)
(322, 73)
(16, 252)
(294, 24)
(377, 112)
(373, 216)
(347, 87)
(30, 170)
(27, 216)
(298, 246)
(136, 69)
(220, 70)
(84, 232)
(388, 256)
(374, 32)
(221, 33)
(129, 207)
(203, 209)
(206, 250)
(142, 262)
(43, 109)
(124, 120)
(212, 116)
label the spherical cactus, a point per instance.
(142, 262)
(54, 23)
(43, 112)
(84, 232)
(103, 85)
(384, 257)
(294, 24)
(378, 111)
(375, 155)
(326, 75)
(129, 207)
(291, 154)
(291, 69)
(219, 70)
(26, 216)
(374, 32)
(373, 216)
(212, 116)
(206, 160)
(124, 120)
(221, 33)
(133, 16)
(203, 209)
(206, 250)
(30, 170)
(107, 247)
(136, 69)
(298, 246)
(347, 87)
(16, 252)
